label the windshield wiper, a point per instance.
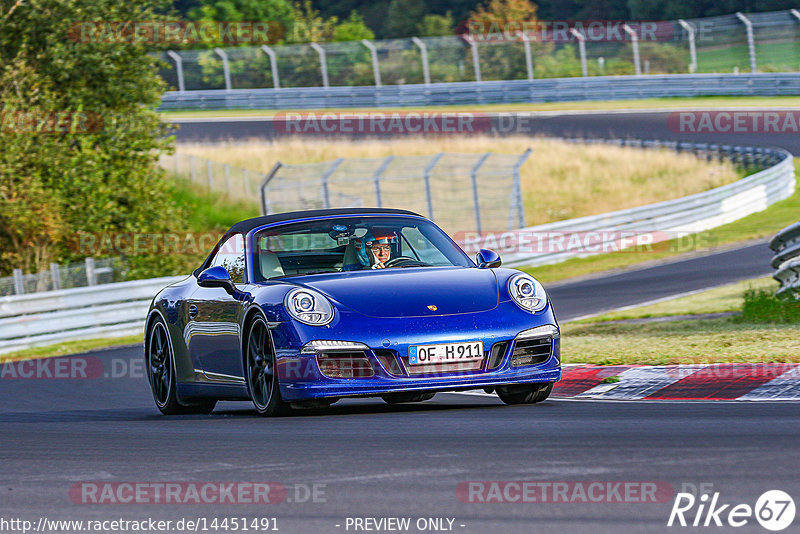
(301, 274)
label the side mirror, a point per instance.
(487, 259)
(216, 277)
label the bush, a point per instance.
(762, 306)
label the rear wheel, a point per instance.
(160, 365)
(524, 394)
(397, 398)
(262, 377)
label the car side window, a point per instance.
(231, 256)
(416, 244)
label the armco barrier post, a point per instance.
(373, 52)
(55, 274)
(273, 65)
(635, 43)
(91, 275)
(326, 196)
(423, 52)
(19, 285)
(582, 49)
(427, 178)
(178, 69)
(751, 44)
(377, 178)
(526, 42)
(475, 198)
(226, 68)
(692, 47)
(265, 208)
(323, 63)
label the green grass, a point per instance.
(722, 299)
(70, 347)
(762, 306)
(769, 57)
(758, 335)
(680, 342)
(592, 105)
(761, 225)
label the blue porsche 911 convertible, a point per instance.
(301, 309)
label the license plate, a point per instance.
(445, 353)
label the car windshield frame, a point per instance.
(253, 249)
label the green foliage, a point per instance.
(436, 25)
(762, 306)
(102, 178)
(404, 16)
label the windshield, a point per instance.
(353, 244)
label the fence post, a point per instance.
(19, 286)
(635, 43)
(427, 177)
(423, 52)
(373, 52)
(246, 180)
(273, 64)
(526, 42)
(226, 69)
(178, 69)
(582, 49)
(192, 170)
(228, 178)
(323, 63)
(476, 64)
(377, 178)
(326, 197)
(55, 274)
(517, 201)
(795, 13)
(473, 174)
(751, 45)
(210, 172)
(91, 276)
(692, 47)
(265, 207)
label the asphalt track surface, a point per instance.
(621, 124)
(373, 460)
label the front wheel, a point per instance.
(160, 365)
(524, 394)
(262, 376)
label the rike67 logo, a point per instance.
(774, 510)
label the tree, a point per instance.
(436, 25)
(98, 175)
(403, 17)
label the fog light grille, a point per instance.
(344, 365)
(496, 354)
(531, 351)
(388, 359)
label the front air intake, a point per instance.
(344, 365)
(531, 351)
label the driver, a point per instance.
(377, 248)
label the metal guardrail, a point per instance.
(672, 218)
(493, 92)
(786, 261)
(109, 310)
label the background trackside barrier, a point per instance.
(786, 261)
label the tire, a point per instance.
(160, 365)
(260, 371)
(526, 394)
(398, 398)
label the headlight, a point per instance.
(309, 307)
(527, 292)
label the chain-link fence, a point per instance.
(456, 190)
(766, 42)
(87, 273)
(236, 182)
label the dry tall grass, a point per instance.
(559, 181)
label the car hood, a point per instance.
(410, 292)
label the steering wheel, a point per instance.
(400, 261)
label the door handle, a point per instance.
(192, 311)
